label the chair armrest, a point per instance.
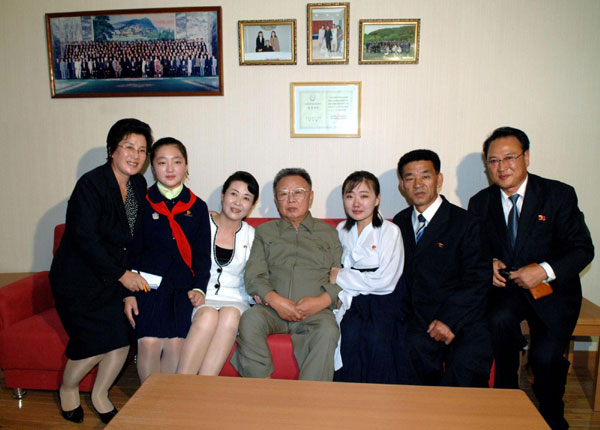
(24, 298)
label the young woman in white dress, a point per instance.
(216, 317)
(372, 262)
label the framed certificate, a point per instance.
(325, 109)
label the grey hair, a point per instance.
(291, 171)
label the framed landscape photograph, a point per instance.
(268, 42)
(325, 109)
(136, 52)
(389, 41)
(327, 33)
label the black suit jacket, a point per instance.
(551, 229)
(446, 273)
(92, 254)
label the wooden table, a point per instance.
(167, 401)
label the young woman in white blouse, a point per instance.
(215, 322)
(369, 314)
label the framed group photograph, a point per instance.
(327, 33)
(389, 41)
(325, 109)
(136, 52)
(267, 42)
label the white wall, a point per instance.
(531, 64)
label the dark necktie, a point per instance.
(513, 220)
(421, 228)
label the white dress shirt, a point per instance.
(428, 213)
(507, 206)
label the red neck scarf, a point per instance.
(182, 243)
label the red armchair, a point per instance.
(32, 338)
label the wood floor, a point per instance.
(40, 410)
(578, 394)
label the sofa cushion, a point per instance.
(37, 342)
(23, 298)
(284, 360)
(282, 353)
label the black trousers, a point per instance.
(546, 353)
(465, 362)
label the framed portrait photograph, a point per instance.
(267, 42)
(136, 52)
(389, 41)
(325, 109)
(327, 33)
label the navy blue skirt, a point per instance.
(373, 343)
(165, 313)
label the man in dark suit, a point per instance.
(447, 279)
(535, 232)
(328, 36)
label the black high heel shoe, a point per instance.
(107, 416)
(76, 415)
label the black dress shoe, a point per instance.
(76, 415)
(106, 417)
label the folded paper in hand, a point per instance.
(153, 280)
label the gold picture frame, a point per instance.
(278, 49)
(389, 41)
(327, 33)
(128, 53)
(325, 109)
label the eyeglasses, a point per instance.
(130, 149)
(509, 160)
(297, 194)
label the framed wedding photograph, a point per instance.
(325, 109)
(136, 52)
(389, 41)
(327, 33)
(268, 42)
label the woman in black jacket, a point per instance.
(88, 272)
(260, 42)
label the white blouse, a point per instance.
(372, 264)
(230, 276)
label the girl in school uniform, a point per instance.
(173, 245)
